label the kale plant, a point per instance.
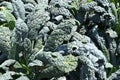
(59, 39)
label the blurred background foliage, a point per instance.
(117, 5)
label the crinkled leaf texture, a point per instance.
(56, 64)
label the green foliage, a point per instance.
(112, 70)
(12, 70)
(118, 22)
(5, 41)
(56, 65)
(117, 29)
(117, 5)
(9, 18)
(115, 2)
(76, 4)
(31, 41)
(89, 0)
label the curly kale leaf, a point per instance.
(62, 33)
(36, 20)
(19, 9)
(56, 64)
(5, 41)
